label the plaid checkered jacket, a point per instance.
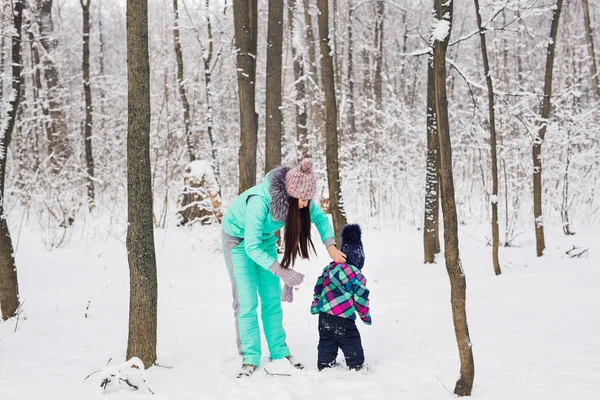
(342, 290)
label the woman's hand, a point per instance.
(287, 275)
(336, 255)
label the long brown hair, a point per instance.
(297, 233)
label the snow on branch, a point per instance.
(131, 373)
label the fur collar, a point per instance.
(280, 200)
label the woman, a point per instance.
(249, 246)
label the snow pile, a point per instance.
(202, 170)
(200, 199)
(128, 375)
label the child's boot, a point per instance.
(356, 367)
(322, 365)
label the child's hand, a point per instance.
(336, 255)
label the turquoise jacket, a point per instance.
(258, 213)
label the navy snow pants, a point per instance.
(338, 332)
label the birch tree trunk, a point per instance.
(9, 286)
(87, 91)
(143, 296)
(273, 96)
(336, 204)
(245, 27)
(536, 149)
(458, 283)
(492, 120)
(431, 238)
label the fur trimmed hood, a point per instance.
(280, 200)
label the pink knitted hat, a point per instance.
(300, 182)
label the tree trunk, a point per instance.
(23, 151)
(310, 38)
(576, 111)
(299, 86)
(350, 78)
(101, 64)
(536, 150)
(143, 294)
(490, 88)
(378, 88)
(458, 283)
(403, 63)
(9, 286)
(180, 84)
(590, 41)
(377, 109)
(316, 106)
(431, 231)
(87, 91)
(564, 207)
(336, 204)
(368, 126)
(38, 125)
(59, 149)
(208, 92)
(245, 27)
(337, 68)
(44, 125)
(2, 59)
(273, 96)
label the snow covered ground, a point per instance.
(535, 329)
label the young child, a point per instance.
(339, 293)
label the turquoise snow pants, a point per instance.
(248, 282)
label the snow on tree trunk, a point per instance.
(431, 239)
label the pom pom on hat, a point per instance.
(352, 245)
(306, 166)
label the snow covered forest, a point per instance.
(64, 147)
(382, 107)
